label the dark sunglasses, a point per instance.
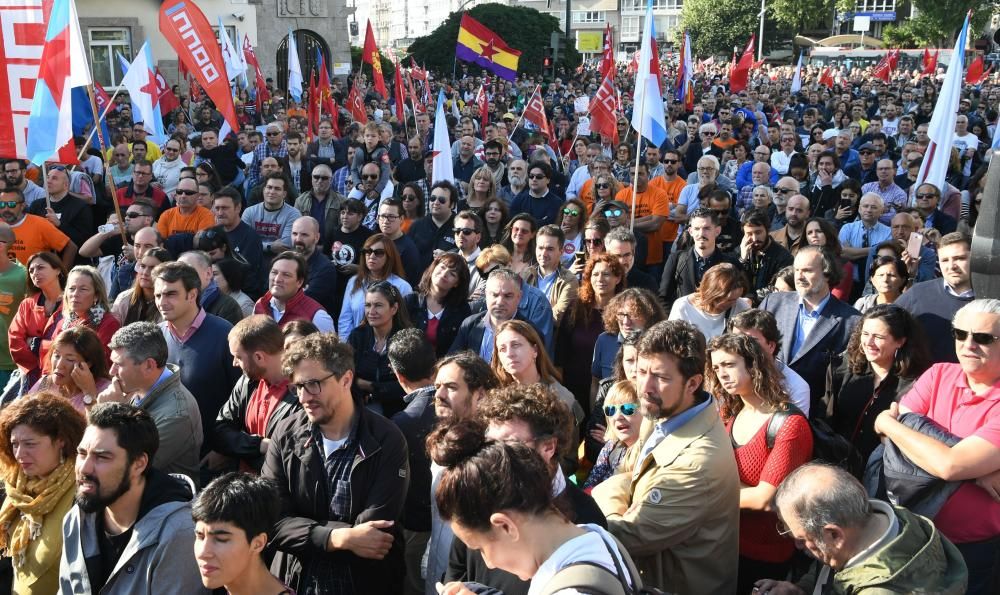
(613, 212)
(373, 252)
(441, 199)
(594, 241)
(465, 231)
(132, 215)
(369, 177)
(604, 186)
(927, 195)
(321, 178)
(9, 204)
(408, 197)
(784, 190)
(977, 338)
(185, 192)
(628, 409)
(274, 134)
(536, 176)
(571, 212)
(670, 161)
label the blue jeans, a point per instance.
(983, 560)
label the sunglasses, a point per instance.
(274, 134)
(536, 176)
(571, 212)
(594, 241)
(9, 204)
(977, 338)
(613, 213)
(669, 161)
(373, 252)
(185, 192)
(465, 231)
(627, 409)
(927, 195)
(602, 186)
(132, 215)
(784, 190)
(369, 177)
(409, 197)
(441, 199)
(321, 178)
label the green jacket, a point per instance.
(918, 560)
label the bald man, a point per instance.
(321, 284)
(67, 211)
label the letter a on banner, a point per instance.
(188, 32)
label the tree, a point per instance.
(716, 26)
(918, 32)
(388, 69)
(801, 15)
(523, 29)
(946, 17)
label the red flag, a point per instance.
(417, 107)
(602, 110)
(826, 78)
(534, 110)
(354, 105)
(398, 91)
(741, 73)
(608, 57)
(168, 101)
(927, 67)
(975, 75)
(327, 104)
(484, 105)
(188, 32)
(883, 70)
(416, 72)
(371, 56)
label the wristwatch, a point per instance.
(88, 400)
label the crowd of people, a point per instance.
(293, 361)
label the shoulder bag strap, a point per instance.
(777, 420)
(587, 577)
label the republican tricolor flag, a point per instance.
(63, 67)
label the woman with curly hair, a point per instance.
(886, 353)
(632, 310)
(85, 303)
(38, 440)
(749, 390)
(603, 279)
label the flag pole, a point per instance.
(108, 184)
(45, 176)
(518, 123)
(90, 135)
(638, 154)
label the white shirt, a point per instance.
(592, 547)
(779, 161)
(797, 387)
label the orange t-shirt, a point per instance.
(36, 234)
(651, 202)
(668, 233)
(587, 196)
(173, 221)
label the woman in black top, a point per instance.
(374, 381)
(441, 301)
(886, 352)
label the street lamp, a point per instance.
(760, 35)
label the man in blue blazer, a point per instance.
(815, 323)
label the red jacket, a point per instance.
(28, 323)
(300, 307)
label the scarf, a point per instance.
(28, 502)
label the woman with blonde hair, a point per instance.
(744, 380)
(624, 422)
(85, 303)
(603, 190)
(719, 298)
(490, 258)
(482, 189)
(38, 440)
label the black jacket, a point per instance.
(416, 422)
(856, 405)
(761, 272)
(231, 436)
(470, 333)
(76, 217)
(379, 479)
(428, 237)
(448, 325)
(375, 368)
(322, 283)
(680, 277)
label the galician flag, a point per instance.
(648, 118)
(443, 169)
(797, 78)
(63, 67)
(934, 167)
(140, 80)
(294, 69)
(235, 63)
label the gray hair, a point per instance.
(502, 274)
(881, 203)
(141, 341)
(980, 306)
(707, 127)
(819, 495)
(602, 158)
(712, 159)
(620, 234)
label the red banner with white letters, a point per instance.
(188, 32)
(22, 35)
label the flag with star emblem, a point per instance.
(371, 55)
(140, 81)
(486, 49)
(63, 67)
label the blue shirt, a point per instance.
(545, 282)
(486, 347)
(852, 235)
(806, 321)
(669, 426)
(163, 376)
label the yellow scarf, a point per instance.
(27, 503)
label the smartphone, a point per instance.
(581, 256)
(845, 203)
(913, 246)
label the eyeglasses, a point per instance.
(668, 161)
(613, 212)
(977, 338)
(369, 176)
(388, 217)
(782, 529)
(465, 231)
(594, 241)
(142, 173)
(185, 192)
(321, 178)
(310, 386)
(132, 215)
(603, 186)
(441, 199)
(627, 409)
(927, 195)
(536, 176)
(784, 190)
(10, 204)
(571, 212)
(373, 252)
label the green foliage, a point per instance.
(523, 29)
(945, 17)
(388, 69)
(915, 33)
(801, 15)
(716, 26)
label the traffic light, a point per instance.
(547, 61)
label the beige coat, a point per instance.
(680, 518)
(564, 290)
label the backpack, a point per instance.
(593, 579)
(828, 445)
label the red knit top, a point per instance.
(759, 539)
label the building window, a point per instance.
(875, 5)
(105, 42)
(588, 16)
(658, 5)
(631, 28)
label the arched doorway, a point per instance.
(307, 43)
